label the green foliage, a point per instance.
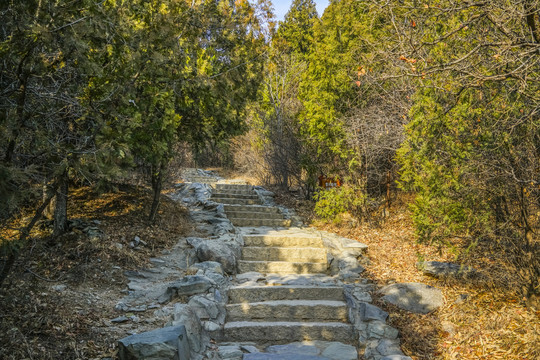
(331, 203)
(95, 88)
(295, 33)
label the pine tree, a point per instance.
(295, 32)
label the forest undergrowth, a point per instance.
(59, 298)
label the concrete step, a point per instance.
(253, 214)
(234, 196)
(233, 201)
(289, 310)
(300, 254)
(282, 332)
(283, 240)
(261, 222)
(251, 208)
(250, 294)
(281, 267)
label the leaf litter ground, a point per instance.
(37, 321)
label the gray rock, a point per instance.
(195, 241)
(294, 349)
(166, 343)
(230, 352)
(266, 356)
(204, 308)
(378, 329)
(59, 288)
(140, 308)
(368, 312)
(350, 264)
(184, 315)
(442, 269)
(215, 250)
(121, 306)
(211, 326)
(249, 348)
(340, 351)
(208, 266)
(396, 357)
(349, 276)
(389, 347)
(361, 295)
(188, 285)
(414, 297)
(219, 279)
(120, 319)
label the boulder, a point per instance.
(389, 347)
(350, 264)
(205, 308)
(166, 343)
(414, 297)
(378, 330)
(216, 250)
(184, 315)
(368, 312)
(188, 285)
(443, 269)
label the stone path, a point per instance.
(297, 293)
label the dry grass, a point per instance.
(37, 322)
(483, 317)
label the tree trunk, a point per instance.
(13, 251)
(60, 209)
(157, 182)
(48, 212)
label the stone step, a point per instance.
(232, 201)
(253, 214)
(201, 180)
(250, 294)
(251, 208)
(299, 254)
(289, 310)
(283, 240)
(235, 191)
(281, 267)
(261, 222)
(234, 196)
(227, 187)
(282, 332)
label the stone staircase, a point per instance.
(276, 313)
(281, 314)
(297, 295)
(282, 252)
(244, 207)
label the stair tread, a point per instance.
(300, 302)
(278, 262)
(236, 324)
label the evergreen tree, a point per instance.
(295, 32)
